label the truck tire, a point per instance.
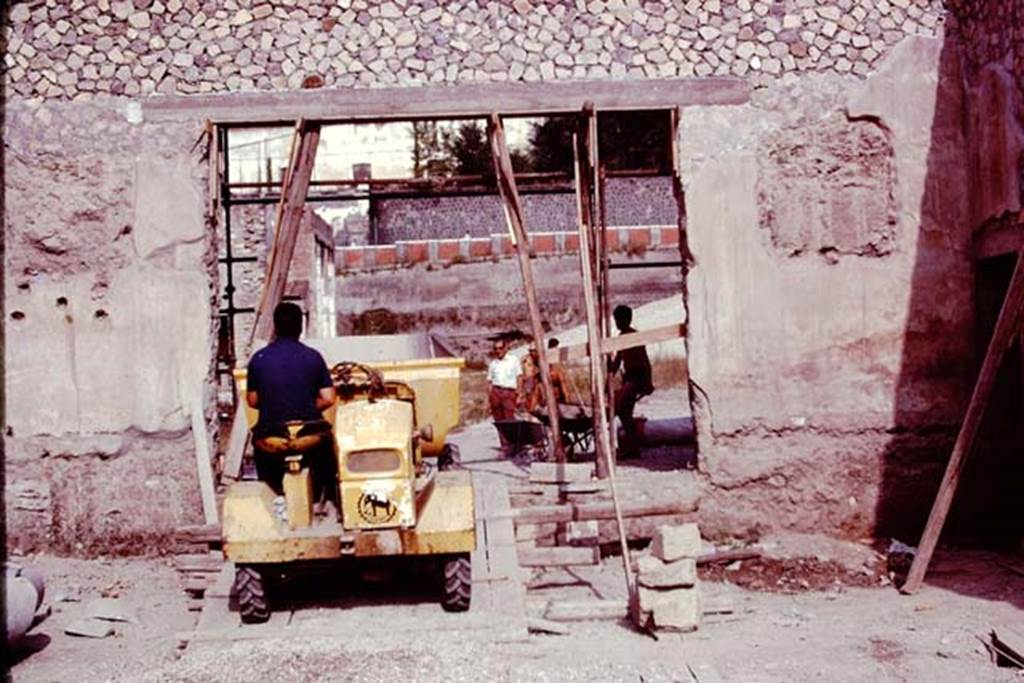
(252, 595)
(458, 583)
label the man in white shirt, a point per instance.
(502, 381)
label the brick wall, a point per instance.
(444, 252)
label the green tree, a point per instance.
(429, 152)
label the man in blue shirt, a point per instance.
(289, 381)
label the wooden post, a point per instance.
(201, 440)
(289, 218)
(294, 187)
(520, 238)
(1007, 326)
(583, 146)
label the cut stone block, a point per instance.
(676, 610)
(583, 533)
(653, 573)
(673, 543)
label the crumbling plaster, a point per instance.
(109, 288)
(853, 349)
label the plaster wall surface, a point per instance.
(108, 324)
(833, 363)
(866, 354)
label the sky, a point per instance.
(387, 147)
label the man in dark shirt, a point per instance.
(289, 381)
(636, 380)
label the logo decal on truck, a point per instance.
(375, 507)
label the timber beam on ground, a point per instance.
(470, 101)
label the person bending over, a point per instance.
(636, 381)
(289, 381)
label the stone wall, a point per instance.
(863, 340)
(631, 201)
(85, 48)
(447, 252)
(830, 306)
(109, 301)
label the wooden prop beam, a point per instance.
(1007, 327)
(294, 188)
(289, 218)
(574, 352)
(201, 440)
(585, 151)
(517, 226)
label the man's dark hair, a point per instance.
(288, 320)
(623, 315)
(553, 343)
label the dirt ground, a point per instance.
(811, 608)
(833, 632)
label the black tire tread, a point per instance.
(458, 584)
(252, 596)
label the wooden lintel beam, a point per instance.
(471, 100)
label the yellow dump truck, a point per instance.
(399, 492)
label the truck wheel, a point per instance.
(252, 595)
(449, 458)
(458, 584)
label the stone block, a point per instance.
(673, 543)
(583, 533)
(676, 610)
(653, 573)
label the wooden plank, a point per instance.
(204, 471)
(238, 441)
(290, 211)
(451, 101)
(196, 562)
(586, 610)
(559, 473)
(568, 512)
(558, 557)
(538, 625)
(1007, 326)
(198, 533)
(612, 345)
(515, 218)
(568, 488)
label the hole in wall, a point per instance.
(24, 286)
(101, 314)
(62, 301)
(17, 315)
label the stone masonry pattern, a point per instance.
(77, 49)
(991, 32)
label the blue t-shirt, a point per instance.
(287, 375)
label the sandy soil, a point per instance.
(840, 633)
(812, 608)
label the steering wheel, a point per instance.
(349, 375)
